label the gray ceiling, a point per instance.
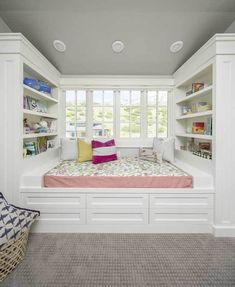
(147, 27)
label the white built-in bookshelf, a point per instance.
(40, 116)
(194, 114)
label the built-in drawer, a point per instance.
(181, 215)
(55, 202)
(117, 216)
(117, 201)
(78, 217)
(181, 201)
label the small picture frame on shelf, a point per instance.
(188, 93)
(197, 87)
(204, 146)
(33, 104)
(51, 144)
(42, 108)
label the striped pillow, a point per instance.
(103, 151)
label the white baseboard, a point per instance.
(224, 231)
(45, 226)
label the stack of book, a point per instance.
(36, 146)
(200, 107)
(34, 105)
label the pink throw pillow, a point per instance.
(103, 151)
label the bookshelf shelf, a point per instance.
(194, 130)
(195, 115)
(38, 95)
(30, 136)
(193, 156)
(196, 136)
(198, 94)
(42, 153)
(39, 114)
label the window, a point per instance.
(162, 114)
(102, 113)
(129, 114)
(157, 113)
(76, 113)
(123, 114)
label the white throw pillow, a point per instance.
(164, 148)
(69, 149)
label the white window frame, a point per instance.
(143, 141)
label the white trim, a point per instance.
(143, 140)
(224, 231)
(69, 226)
(74, 82)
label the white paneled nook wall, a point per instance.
(18, 57)
(215, 63)
(208, 207)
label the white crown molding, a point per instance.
(67, 81)
(17, 43)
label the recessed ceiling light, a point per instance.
(118, 46)
(59, 45)
(176, 46)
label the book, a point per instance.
(42, 144)
(198, 128)
(209, 126)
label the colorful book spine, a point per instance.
(209, 126)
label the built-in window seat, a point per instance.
(148, 210)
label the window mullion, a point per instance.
(157, 113)
(143, 115)
(89, 114)
(116, 116)
(76, 110)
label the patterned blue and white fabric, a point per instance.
(14, 221)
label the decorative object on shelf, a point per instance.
(32, 83)
(203, 154)
(191, 146)
(202, 107)
(51, 144)
(198, 128)
(199, 107)
(51, 124)
(186, 110)
(34, 105)
(38, 85)
(44, 88)
(204, 146)
(197, 87)
(188, 93)
(27, 128)
(41, 127)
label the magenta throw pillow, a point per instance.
(103, 151)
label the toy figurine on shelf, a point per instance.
(41, 127)
(27, 128)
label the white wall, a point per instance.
(3, 27)
(231, 28)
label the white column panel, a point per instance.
(225, 142)
(11, 125)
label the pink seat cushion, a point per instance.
(103, 151)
